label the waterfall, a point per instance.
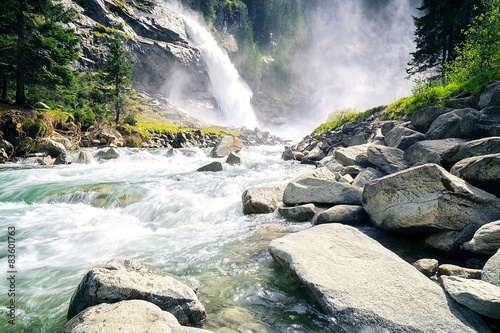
(232, 94)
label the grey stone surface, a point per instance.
(485, 146)
(121, 280)
(491, 271)
(215, 166)
(461, 103)
(301, 213)
(430, 151)
(354, 155)
(422, 119)
(107, 154)
(428, 267)
(320, 186)
(479, 296)
(54, 149)
(480, 171)
(445, 241)
(233, 159)
(481, 124)
(454, 270)
(447, 125)
(126, 316)
(402, 137)
(228, 144)
(426, 199)
(486, 239)
(365, 287)
(262, 200)
(387, 159)
(345, 214)
(366, 176)
(490, 96)
(84, 157)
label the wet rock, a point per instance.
(454, 270)
(486, 146)
(85, 158)
(355, 155)
(302, 213)
(480, 171)
(228, 144)
(366, 287)
(121, 280)
(422, 119)
(233, 159)
(212, 167)
(427, 267)
(490, 96)
(47, 160)
(448, 125)
(107, 154)
(345, 214)
(387, 159)
(427, 199)
(486, 239)
(491, 271)
(262, 200)
(402, 137)
(126, 316)
(320, 186)
(479, 296)
(430, 151)
(288, 155)
(367, 175)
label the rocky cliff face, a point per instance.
(155, 36)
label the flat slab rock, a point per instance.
(122, 280)
(365, 287)
(126, 316)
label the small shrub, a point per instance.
(134, 141)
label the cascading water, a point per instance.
(232, 94)
(157, 210)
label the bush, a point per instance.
(134, 141)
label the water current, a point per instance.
(157, 210)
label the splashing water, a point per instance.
(232, 94)
(157, 210)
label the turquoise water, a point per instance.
(160, 211)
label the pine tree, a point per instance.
(117, 72)
(34, 46)
(438, 32)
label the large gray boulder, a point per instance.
(426, 199)
(107, 154)
(461, 103)
(364, 287)
(431, 151)
(387, 159)
(6, 145)
(345, 214)
(491, 271)
(486, 239)
(490, 96)
(121, 280)
(54, 149)
(447, 125)
(485, 146)
(263, 200)
(422, 119)
(480, 171)
(480, 124)
(301, 213)
(126, 316)
(228, 144)
(320, 186)
(84, 157)
(354, 155)
(402, 137)
(479, 296)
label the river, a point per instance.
(157, 210)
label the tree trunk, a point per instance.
(20, 93)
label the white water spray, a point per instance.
(231, 92)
